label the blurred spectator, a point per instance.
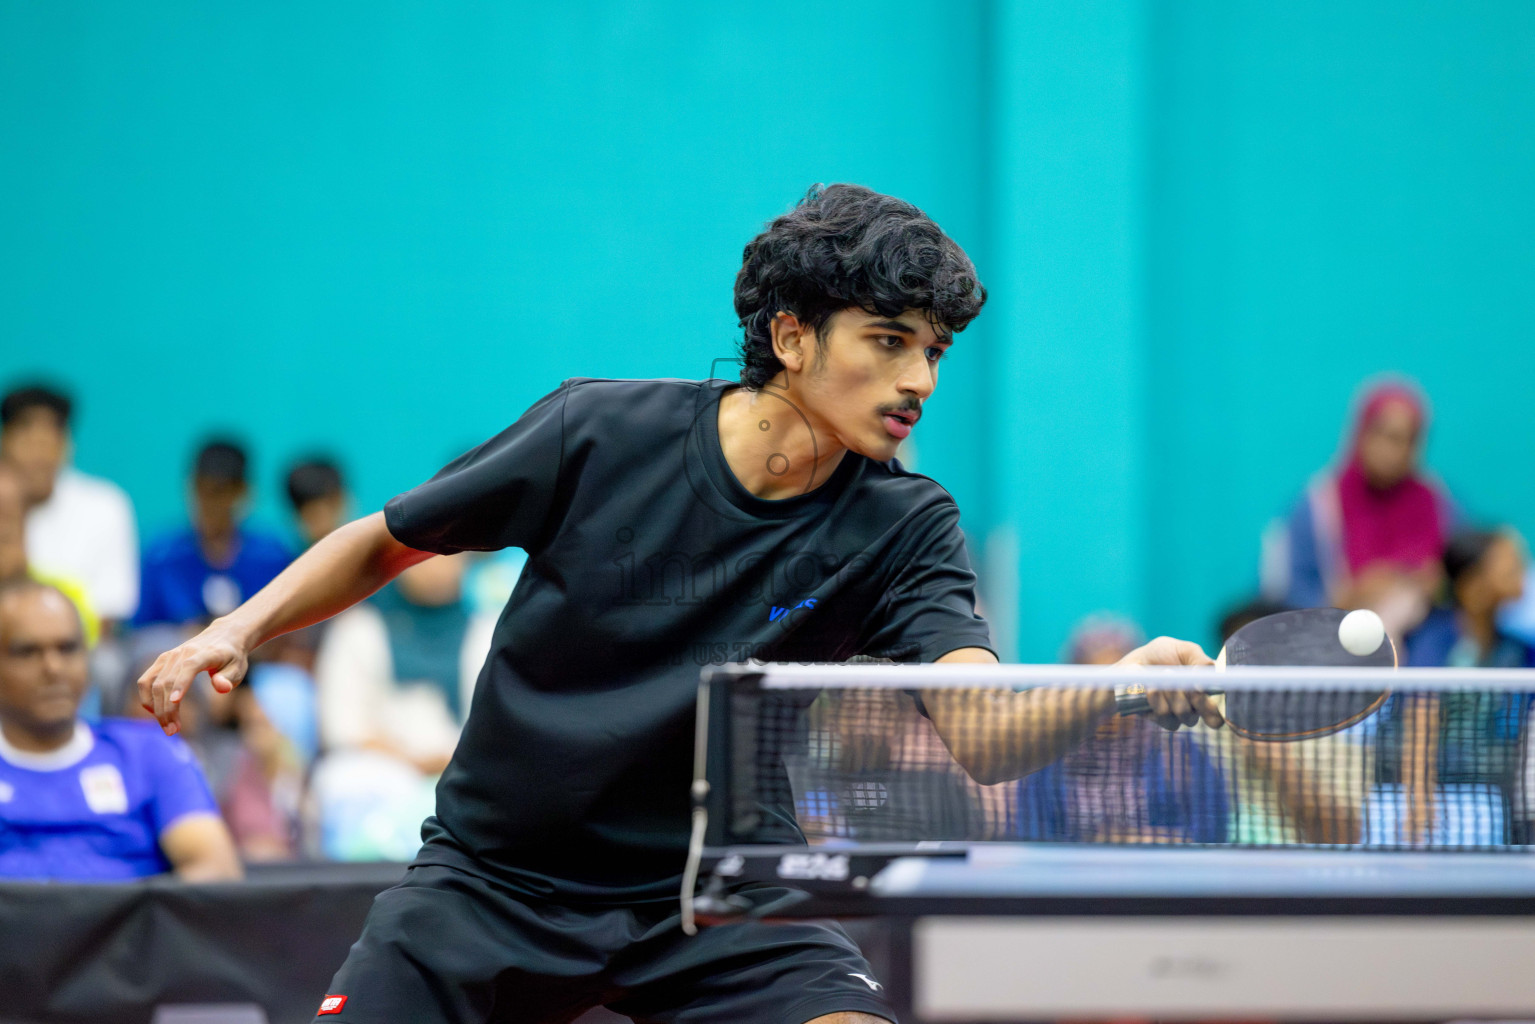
(1307, 791)
(1483, 572)
(318, 496)
(1131, 782)
(880, 773)
(1369, 533)
(79, 527)
(395, 675)
(263, 794)
(1475, 740)
(200, 572)
(1517, 618)
(1101, 639)
(14, 564)
(114, 801)
(255, 746)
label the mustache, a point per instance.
(912, 405)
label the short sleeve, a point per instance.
(930, 609)
(497, 495)
(177, 782)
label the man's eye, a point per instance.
(935, 353)
(71, 647)
(891, 340)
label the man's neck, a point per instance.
(771, 447)
(37, 741)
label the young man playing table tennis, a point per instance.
(668, 523)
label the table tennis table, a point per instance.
(992, 932)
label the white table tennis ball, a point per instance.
(1361, 632)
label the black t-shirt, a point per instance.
(648, 559)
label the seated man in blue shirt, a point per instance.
(83, 803)
(200, 572)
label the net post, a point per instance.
(711, 791)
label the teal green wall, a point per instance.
(383, 229)
(1333, 190)
(1066, 361)
(388, 228)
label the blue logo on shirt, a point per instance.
(778, 613)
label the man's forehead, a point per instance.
(36, 612)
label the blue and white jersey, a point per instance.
(94, 810)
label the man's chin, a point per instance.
(54, 716)
(881, 451)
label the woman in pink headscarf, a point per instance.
(1369, 533)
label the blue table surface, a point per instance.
(1026, 871)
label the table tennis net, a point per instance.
(1449, 767)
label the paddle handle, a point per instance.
(1135, 702)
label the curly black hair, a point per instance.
(842, 246)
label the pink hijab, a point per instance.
(1404, 523)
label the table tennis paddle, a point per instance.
(1303, 637)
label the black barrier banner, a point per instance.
(163, 952)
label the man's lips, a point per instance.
(899, 423)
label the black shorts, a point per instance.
(446, 947)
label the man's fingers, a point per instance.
(1164, 708)
(187, 670)
(1172, 708)
(1180, 708)
(1190, 653)
(147, 681)
(171, 684)
(173, 674)
(1205, 705)
(1165, 650)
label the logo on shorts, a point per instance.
(873, 985)
(332, 1004)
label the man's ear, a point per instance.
(793, 341)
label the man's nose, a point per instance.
(919, 377)
(55, 662)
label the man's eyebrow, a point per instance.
(892, 325)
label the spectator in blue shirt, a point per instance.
(110, 802)
(1131, 782)
(207, 569)
(1484, 571)
(1480, 737)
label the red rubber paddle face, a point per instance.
(1307, 637)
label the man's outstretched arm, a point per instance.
(999, 735)
(335, 574)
